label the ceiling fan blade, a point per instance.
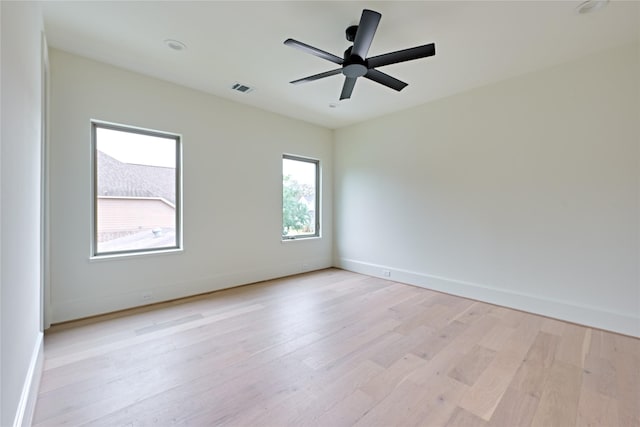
(385, 79)
(314, 51)
(317, 76)
(402, 55)
(347, 89)
(366, 30)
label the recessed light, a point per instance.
(591, 6)
(333, 105)
(175, 44)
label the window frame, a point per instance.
(178, 247)
(317, 233)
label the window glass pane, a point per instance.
(299, 198)
(136, 182)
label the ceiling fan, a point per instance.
(355, 63)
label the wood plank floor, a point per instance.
(334, 348)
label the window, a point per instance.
(300, 197)
(136, 190)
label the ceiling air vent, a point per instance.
(239, 87)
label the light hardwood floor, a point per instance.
(334, 348)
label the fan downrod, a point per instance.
(351, 32)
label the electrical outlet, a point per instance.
(306, 266)
(147, 296)
(386, 273)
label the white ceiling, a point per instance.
(477, 42)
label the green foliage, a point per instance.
(295, 214)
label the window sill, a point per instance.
(299, 239)
(113, 257)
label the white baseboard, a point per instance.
(91, 306)
(29, 396)
(589, 316)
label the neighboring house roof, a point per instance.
(119, 179)
(164, 237)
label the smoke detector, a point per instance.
(591, 6)
(175, 44)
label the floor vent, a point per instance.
(241, 88)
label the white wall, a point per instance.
(523, 193)
(20, 209)
(232, 190)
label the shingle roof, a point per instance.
(116, 178)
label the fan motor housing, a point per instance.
(353, 65)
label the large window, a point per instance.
(136, 190)
(300, 197)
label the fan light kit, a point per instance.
(355, 63)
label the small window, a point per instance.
(300, 197)
(136, 190)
